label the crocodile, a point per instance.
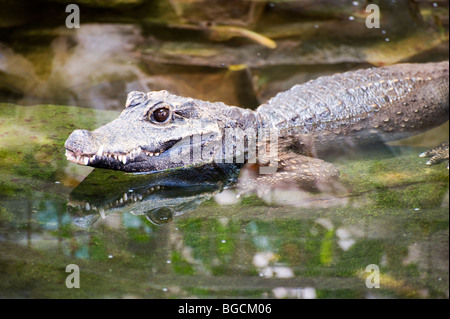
(285, 137)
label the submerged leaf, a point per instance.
(221, 33)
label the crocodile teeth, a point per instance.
(136, 151)
(153, 154)
(124, 158)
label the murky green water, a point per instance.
(186, 234)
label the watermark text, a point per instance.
(73, 19)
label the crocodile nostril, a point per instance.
(81, 133)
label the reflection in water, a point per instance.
(159, 197)
(246, 249)
(249, 249)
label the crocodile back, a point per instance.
(391, 102)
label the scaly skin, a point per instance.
(357, 107)
(378, 104)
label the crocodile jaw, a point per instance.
(136, 160)
(142, 158)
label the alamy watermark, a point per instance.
(234, 146)
(373, 19)
(73, 19)
(73, 280)
(373, 278)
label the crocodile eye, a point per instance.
(160, 115)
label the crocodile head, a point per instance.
(156, 131)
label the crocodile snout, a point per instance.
(80, 146)
(81, 141)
